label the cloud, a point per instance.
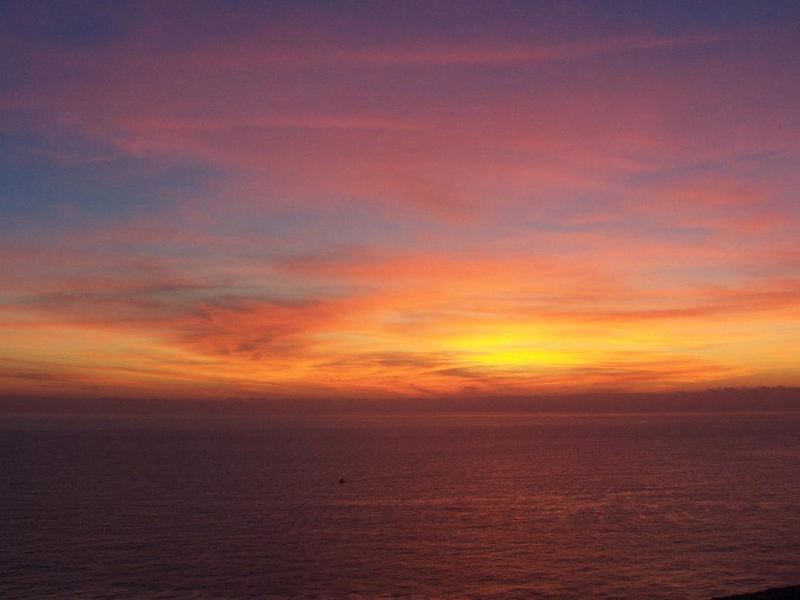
(421, 54)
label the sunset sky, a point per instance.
(366, 199)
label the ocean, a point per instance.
(399, 505)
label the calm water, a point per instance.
(455, 506)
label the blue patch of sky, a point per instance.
(93, 22)
(39, 180)
(678, 15)
(66, 24)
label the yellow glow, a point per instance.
(511, 350)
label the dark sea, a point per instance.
(432, 506)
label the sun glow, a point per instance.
(512, 350)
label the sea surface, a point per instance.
(447, 505)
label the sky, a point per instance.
(400, 199)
